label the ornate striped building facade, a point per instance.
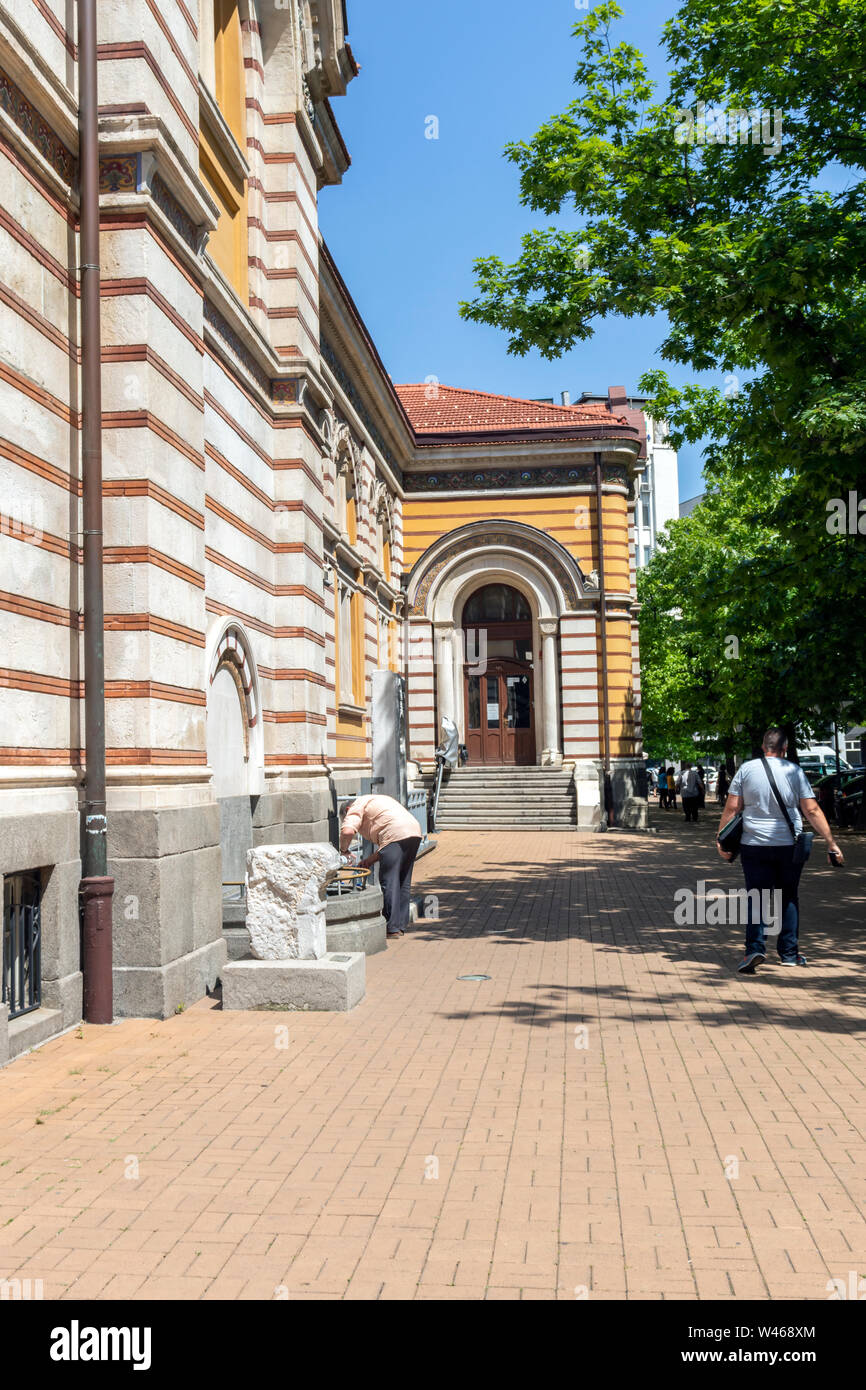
(280, 520)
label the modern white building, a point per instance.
(658, 494)
(687, 507)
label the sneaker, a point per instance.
(748, 964)
(793, 960)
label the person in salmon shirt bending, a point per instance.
(395, 832)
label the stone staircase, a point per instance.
(507, 798)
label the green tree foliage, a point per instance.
(748, 237)
(734, 627)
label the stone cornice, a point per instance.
(226, 316)
(38, 83)
(377, 582)
(292, 390)
(218, 128)
(334, 65)
(358, 359)
(363, 425)
(310, 141)
(335, 158)
(146, 139)
(498, 478)
(463, 464)
(29, 135)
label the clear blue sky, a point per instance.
(412, 214)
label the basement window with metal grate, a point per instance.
(22, 954)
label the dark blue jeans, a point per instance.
(396, 862)
(769, 867)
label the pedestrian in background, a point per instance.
(672, 788)
(772, 793)
(690, 786)
(662, 787)
(722, 785)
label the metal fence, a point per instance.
(22, 944)
(418, 807)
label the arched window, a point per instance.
(230, 81)
(351, 510)
(222, 134)
(498, 623)
(347, 508)
(496, 603)
(350, 648)
(232, 716)
(383, 532)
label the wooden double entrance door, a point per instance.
(500, 714)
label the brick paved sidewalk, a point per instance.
(450, 1139)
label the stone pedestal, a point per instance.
(334, 984)
(4, 1034)
(589, 794)
(355, 922)
(629, 782)
(290, 967)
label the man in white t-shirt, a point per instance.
(767, 845)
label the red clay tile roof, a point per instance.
(455, 410)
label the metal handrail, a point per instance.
(437, 787)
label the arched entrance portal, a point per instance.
(443, 581)
(498, 689)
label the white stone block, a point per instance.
(335, 984)
(286, 900)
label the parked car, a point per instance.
(829, 779)
(826, 788)
(849, 801)
(819, 760)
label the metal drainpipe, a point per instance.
(608, 790)
(96, 887)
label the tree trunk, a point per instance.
(755, 736)
(790, 731)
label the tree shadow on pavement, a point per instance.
(617, 893)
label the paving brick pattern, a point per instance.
(614, 1114)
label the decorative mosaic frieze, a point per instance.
(354, 396)
(288, 390)
(37, 130)
(136, 173)
(238, 347)
(510, 479)
(171, 208)
(120, 173)
(489, 541)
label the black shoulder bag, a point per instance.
(731, 834)
(803, 841)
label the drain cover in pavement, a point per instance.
(475, 977)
